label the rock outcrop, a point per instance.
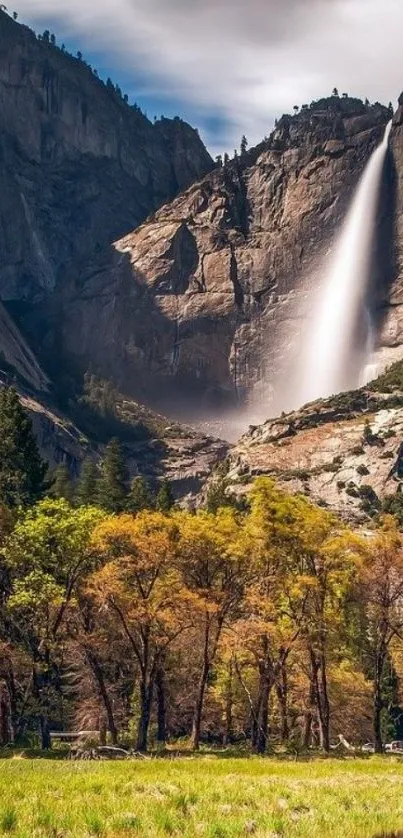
(345, 452)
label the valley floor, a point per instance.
(203, 796)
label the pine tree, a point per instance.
(86, 491)
(165, 499)
(217, 496)
(244, 144)
(62, 486)
(140, 496)
(112, 487)
(22, 470)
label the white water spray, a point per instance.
(331, 362)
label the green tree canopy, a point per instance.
(47, 555)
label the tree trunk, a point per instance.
(103, 692)
(161, 705)
(5, 727)
(41, 679)
(12, 692)
(198, 710)
(306, 739)
(255, 719)
(146, 696)
(282, 695)
(102, 731)
(378, 703)
(228, 706)
(321, 699)
(46, 742)
(325, 706)
(265, 686)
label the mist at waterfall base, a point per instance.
(336, 352)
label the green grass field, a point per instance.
(204, 796)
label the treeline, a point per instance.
(109, 485)
(264, 625)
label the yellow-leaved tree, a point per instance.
(213, 572)
(141, 585)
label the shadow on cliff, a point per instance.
(117, 328)
(384, 254)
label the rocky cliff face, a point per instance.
(199, 304)
(390, 339)
(78, 166)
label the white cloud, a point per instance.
(244, 60)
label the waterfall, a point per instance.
(336, 353)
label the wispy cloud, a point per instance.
(240, 61)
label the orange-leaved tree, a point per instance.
(141, 586)
(212, 567)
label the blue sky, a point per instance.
(231, 66)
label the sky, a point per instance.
(230, 67)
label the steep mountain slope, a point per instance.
(199, 303)
(345, 452)
(78, 166)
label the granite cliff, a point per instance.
(199, 304)
(79, 167)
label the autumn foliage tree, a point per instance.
(270, 620)
(140, 583)
(212, 570)
(46, 555)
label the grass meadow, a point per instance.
(203, 796)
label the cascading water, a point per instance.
(331, 362)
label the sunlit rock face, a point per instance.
(343, 453)
(200, 307)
